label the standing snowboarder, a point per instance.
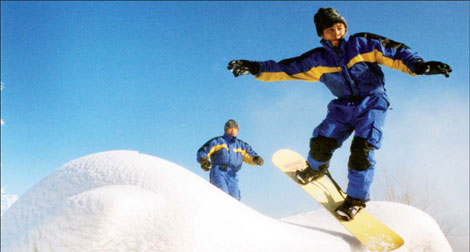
(226, 154)
(349, 66)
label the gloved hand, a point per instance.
(432, 67)
(205, 164)
(242, 67)
(258, 160)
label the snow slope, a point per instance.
(127, 201)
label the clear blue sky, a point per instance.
(86, 77)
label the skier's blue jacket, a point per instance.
(350, 71)
(227, 152)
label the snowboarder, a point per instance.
(349, 66)
(226, 154)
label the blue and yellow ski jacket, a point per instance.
(227, 151)
(350, 71)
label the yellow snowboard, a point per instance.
(372, 233)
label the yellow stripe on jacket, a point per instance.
(216, 148)
(377, 56)
(246, 158)
(314, 74)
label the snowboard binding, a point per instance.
(308, 174)
(349, 208)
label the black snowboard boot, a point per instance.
(308, 175)
(349, 208)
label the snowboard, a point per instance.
(372, 233)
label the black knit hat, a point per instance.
(230, 124)
(327, 17)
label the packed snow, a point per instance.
(128, 201)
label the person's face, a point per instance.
(334, 33)
(232, 131)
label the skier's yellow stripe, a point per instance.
(246, 157)
(217, 148)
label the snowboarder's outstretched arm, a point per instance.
(398, 56)
(307, 67)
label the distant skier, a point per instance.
(348, 66)
(226, 154)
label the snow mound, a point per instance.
(127, 201)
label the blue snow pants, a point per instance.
(226, 180)
(365, 118)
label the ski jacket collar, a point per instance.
(329, 47)
(229, 138)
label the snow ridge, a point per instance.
(128, 201)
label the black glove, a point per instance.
(432, 67)
(205, 164)
(242, 67)
(258, 160)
